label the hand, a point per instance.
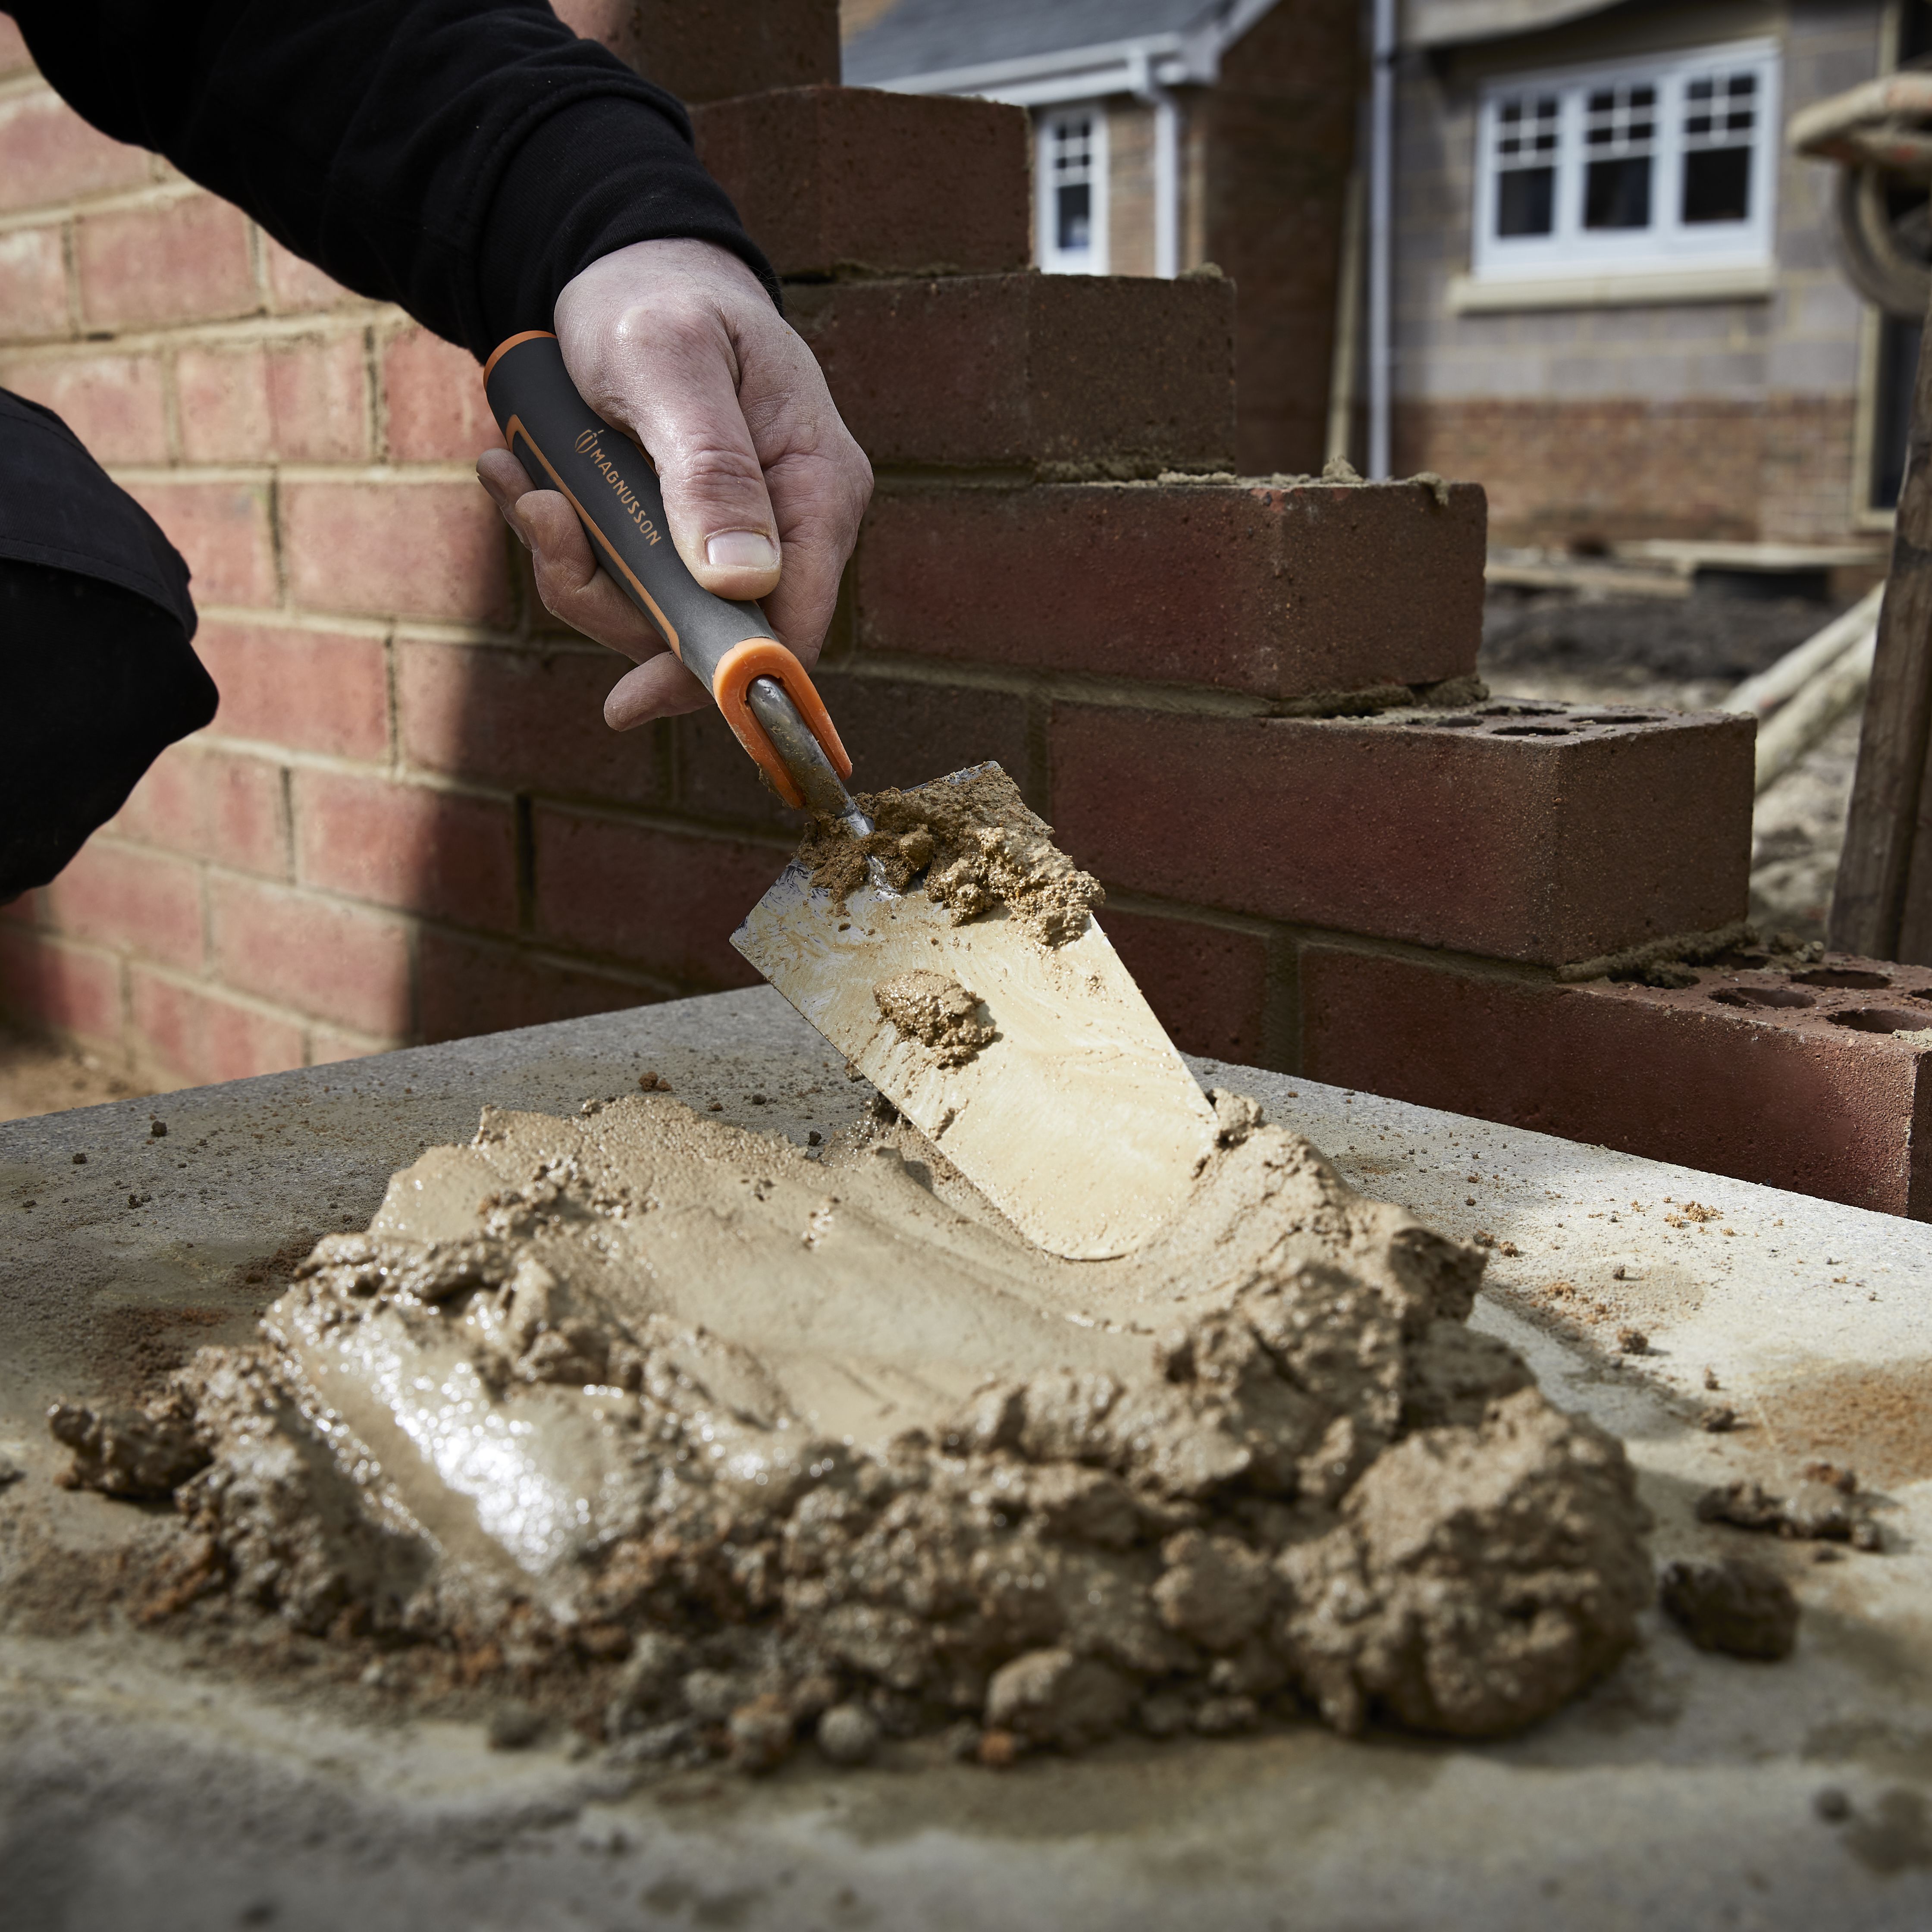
(678, 342)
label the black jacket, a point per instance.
(462, 158)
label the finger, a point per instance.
(660, 687)
(506, 481)
(819, 503)
(677, 390)
(568, 582)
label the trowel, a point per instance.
(1076, 1119)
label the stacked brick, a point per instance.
(1249, 704)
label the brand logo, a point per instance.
(587, 445)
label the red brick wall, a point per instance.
(1615, 470)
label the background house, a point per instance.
(1169, 134)
(1616, 303)
(1616, 299)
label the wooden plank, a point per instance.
(1882, 906)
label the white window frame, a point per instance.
(1668, 244)
(1091, 260)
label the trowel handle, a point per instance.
(564, 444)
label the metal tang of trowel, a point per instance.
(1076, 1118)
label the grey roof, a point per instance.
(933, 36)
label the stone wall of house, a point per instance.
(1731, 419)
(1130, 188)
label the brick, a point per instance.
(407, 846)
(1207, 984)
(897, 732)
(303, 402)
(662, 902)
(1606, 829)
(1780, 1095)
(318, 399)
(470, 986)
(1273, 141)
(223, 399)
(223, 530)
(33, 282)
(296, 287)
(705, 53)
(1285, 592)
(180, 261)
(414, 550)
(14, 58)
(433, 401)
(1029, 370)
(334, 961)
(48, 155)
(114, 403)
(48, 982)
(525, 719)
(211, 804)
(824, 177)
(119, 895)
(196, 1033)
(307, 691)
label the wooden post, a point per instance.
(1882, 906)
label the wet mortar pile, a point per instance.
(797, 1444)
(710, 1443)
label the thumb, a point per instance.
(683, 404)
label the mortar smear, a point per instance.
(935, 1010)
(977, 843)
(796, 1439)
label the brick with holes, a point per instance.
(1529, 831)
(1795, 1079)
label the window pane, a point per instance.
(1620, 120)
(1526, 202)
(1717, 184)
(1616, 194)
(1073, 218)
(1073, 150)
(1717, 109)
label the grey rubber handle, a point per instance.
(563, 444)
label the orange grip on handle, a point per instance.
(766, 657)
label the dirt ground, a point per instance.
(1687, 654)
(37, 1076)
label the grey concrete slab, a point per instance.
(143, 1786)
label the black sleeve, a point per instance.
(463, 158)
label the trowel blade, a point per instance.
(1078, 1120)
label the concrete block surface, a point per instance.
(148, 1781)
